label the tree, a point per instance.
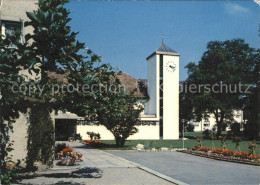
(217, 76)
(252, 103)
(119, 113)
(40, 136)
(53, 48)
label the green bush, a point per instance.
(59, 147)
(94, 135)
(235, 130)
(41, 140)
(190, 128)
(9, 177)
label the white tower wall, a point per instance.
(153, 85)
(170, 99)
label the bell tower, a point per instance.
(163, 90)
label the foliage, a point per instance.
(244, 156)
(237, 140)
(252, 147)
(190, 128)
(78, 137)
(235, 130)
(231, 63)
(67, 156)
(9, 176)
(41, 139)
(119, 113)
(55, 50)
(93, 135)
(67, 149)
(208, 134)
(199, 140)
(11, 103)
(11, 173)
(59, 147)
(223, 142)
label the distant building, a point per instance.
(210, 122)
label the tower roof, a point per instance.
(164, 50)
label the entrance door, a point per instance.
(65, 128)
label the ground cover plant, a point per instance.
(66, 155)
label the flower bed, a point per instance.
(90, 141)
(67, 156)
(226, 155)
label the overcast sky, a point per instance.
(125, 33)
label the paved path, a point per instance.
(97, 168)
(193, 169)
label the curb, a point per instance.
(167, 178)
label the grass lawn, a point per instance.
(110, 144)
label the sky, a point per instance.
(124, 33)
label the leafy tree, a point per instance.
(230, 62)
(119, 113)
(52, 48)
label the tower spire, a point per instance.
(162, 37)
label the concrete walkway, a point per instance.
(97, 168)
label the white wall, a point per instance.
(170, 99)
(152, 107)
(19, 137)
(144, 132)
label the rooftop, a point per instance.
(165, 50)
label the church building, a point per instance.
(160, 118)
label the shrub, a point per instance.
(251, 147)
(224, 126)
(59, 147)
(68, 149)
(237, 140)
(208, 134)
(78, 137)
(93, 135)
(8, 177)
(70, 139)
(199, 140)
(69, 158)
(235, 130)
(190, 128)
(223, 142)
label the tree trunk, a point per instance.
(120, 141)
(219, 128)
(219, 120)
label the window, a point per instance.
(161, 66)
(206, 124)
(9, 27)
(196, 124)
